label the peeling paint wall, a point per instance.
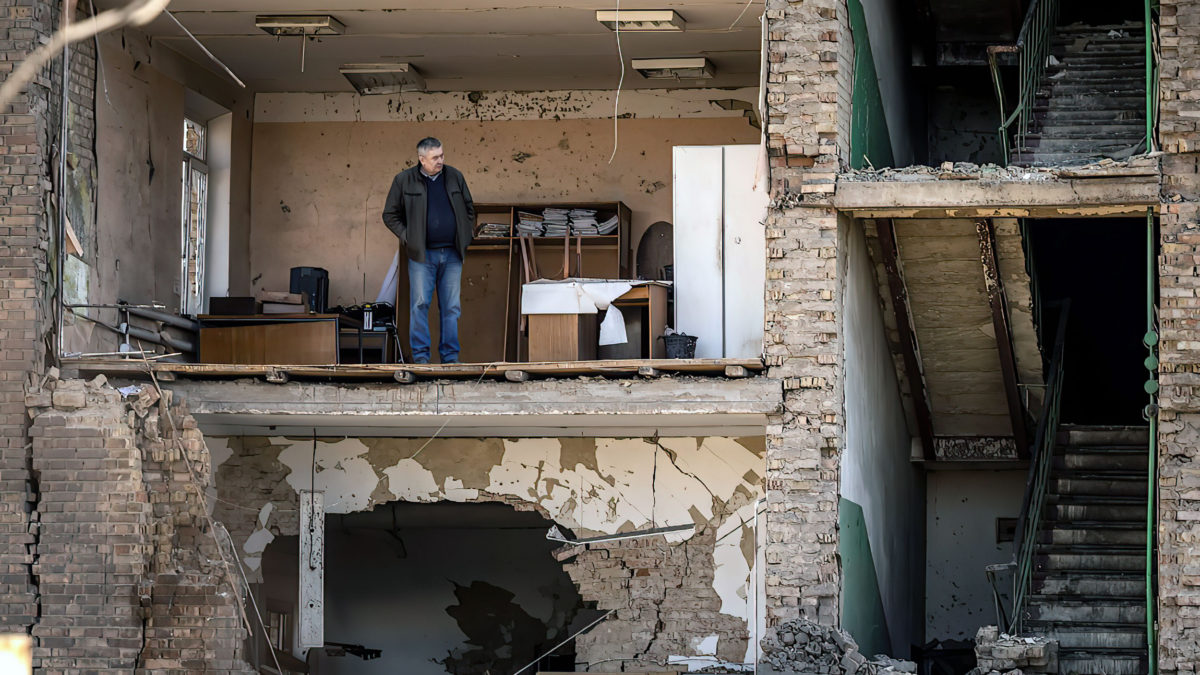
(688, 584)
(319, 186)
(139, 114)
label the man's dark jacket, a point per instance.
(404, 212)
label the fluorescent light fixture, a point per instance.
(299, 24)
(641, 19)
(383, 78)
(689, 68)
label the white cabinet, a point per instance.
(720, 248)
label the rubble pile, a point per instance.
(994, 172)
(801, 646)
(999, 653)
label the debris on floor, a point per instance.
(801, 646)
(1000, 652)
(994, 172)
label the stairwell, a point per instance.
(1091, 101)
(1088, 587)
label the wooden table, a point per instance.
(573, 337)
(654, 298)
(271, 339)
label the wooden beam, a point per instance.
(1004, 344)
(908, 336)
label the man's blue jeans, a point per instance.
(442, 269)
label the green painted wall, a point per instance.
(869, 137)
(862, 604)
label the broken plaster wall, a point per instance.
(320, 179)
(1179, 346)
(454, 587)
(684, 594)
(128, 570)
(139, 108)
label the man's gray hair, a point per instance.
(428, 143)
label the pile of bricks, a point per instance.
(996, 653)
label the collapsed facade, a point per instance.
(919, 449)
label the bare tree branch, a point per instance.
(136, 13)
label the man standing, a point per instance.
(430, 209)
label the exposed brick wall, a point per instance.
(664, 598)
(1179, 350)
(24, 302)
(808, 101)
(1179, 433)
(127, 565)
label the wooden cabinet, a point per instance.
(270, 339)
(490, 327)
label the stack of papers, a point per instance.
(583, 222)
(493, 230)
(529, 223)
(556, 222)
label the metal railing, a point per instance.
(1150, 413)
(1041, 462)
(1033, 50)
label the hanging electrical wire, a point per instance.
(620, 82)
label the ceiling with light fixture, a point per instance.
(468, 45)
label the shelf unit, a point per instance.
(489, 328)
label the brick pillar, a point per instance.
(807, 106)
(93, 531)
(24, 299)
(1179, 348)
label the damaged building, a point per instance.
(816, 336)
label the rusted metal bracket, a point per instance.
(908, 336)
(1004, 344)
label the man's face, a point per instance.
(432, 161)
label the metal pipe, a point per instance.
(207, 53)
(178, 344)
(61, 187)
(163, 317)
(119, 305)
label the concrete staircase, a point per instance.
(1088, 589)
(1091, 103)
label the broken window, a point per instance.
(194, 218)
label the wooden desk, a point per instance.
(573, 337)
(654, 298)
(271, 339)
